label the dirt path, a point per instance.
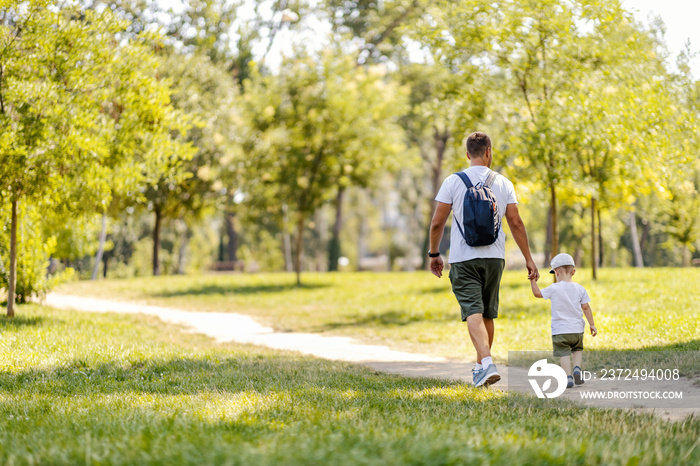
(226, 327)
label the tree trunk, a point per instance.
(686, 256)
(286, 240)
(101, 247)
(105, 262)
(553, 207)
(638, 260)
(645, 234)
(156, 243)
(300, 246)
(362, 229)
(600, 241)
(13, 263)
(548, 241)
(334, 246)
(232, 245)
(182, 250)
(594, 257)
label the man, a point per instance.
(475, 272)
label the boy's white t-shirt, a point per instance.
(452, 192)
(567, 299)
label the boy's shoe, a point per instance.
(475, 374)
(578, 375)
(569, 381)
(487, 377)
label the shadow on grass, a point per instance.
(205, 290)
(386, 319)
(432, 290)
(263, 375)
(19, 321)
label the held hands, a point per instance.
(436, 266)
(532, 272)
(594, 331)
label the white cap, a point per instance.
(560, 260)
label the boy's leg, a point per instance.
(577, 356)
(565, 363)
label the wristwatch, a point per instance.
(430, 254)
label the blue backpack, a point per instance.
(479, 212)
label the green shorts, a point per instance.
(565, 343)
(475, 284)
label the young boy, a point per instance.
(568, 300)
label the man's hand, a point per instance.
(532, 272)
(436, 266)
(594, 331)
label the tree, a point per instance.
(50, 94)
(318, 126)
(623, 95)
(139, 122)
(204, 92)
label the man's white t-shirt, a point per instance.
(567, 299)
(452, 192)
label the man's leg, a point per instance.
(489, 329)
(493, 270)
(480, 336)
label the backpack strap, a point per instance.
(468, 183)
(463, 176)
(490, 179)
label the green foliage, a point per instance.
(100, 114)
(319, 127)
(35, 249)
(84, 115)
(315, 128)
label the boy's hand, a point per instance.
(532, 272)
(594, 331)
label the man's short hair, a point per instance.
(477, 143)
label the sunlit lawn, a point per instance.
(649, 308)
(81, 388)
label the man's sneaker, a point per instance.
(569, 381)
(487, 377)
(475, 374)
(578, 375)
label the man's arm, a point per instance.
(589, 316)
(517, 228)
(437, 227)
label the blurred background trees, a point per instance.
(178, 137)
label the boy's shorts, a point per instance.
(476, 283)
(565, 343)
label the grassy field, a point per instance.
(80, 388)
(633, 308)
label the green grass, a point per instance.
(80, 388)
(633, 308)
